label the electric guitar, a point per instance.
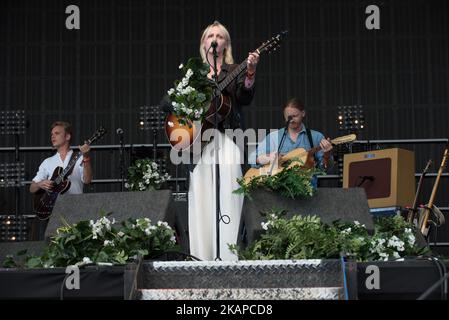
(44, 200)
(181, 136)
(424, 218)
(298, 156)
(412, 211)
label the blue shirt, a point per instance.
(272, 141)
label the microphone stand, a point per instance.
(217, 167)
(121, 160)
(280, 144)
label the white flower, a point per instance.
(265, 225)
(358, 224)
(171, 91)
(87, 260)
(181, 66)
(346, 231)
(173, 239)
(395, 242)
(147, 231)
(107, 243)
(160, 223)
(189, 73)
(120, 234)
(411, 239)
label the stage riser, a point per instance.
(242, 274)
(243, 294)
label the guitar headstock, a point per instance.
(344, 139)
(445, 155)
(273, 43)
(429, 163)
(97, 135)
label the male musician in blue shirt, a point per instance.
(297, 136)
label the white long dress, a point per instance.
(202, 215)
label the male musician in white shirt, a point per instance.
(61, 134)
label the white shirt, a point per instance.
(49, 165)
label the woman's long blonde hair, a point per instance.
(227, 54)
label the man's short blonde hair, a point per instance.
(66, 125)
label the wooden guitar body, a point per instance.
(182, 136)
(299, 156)
(44, 201)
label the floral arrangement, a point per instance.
(293, 182)
(144, 174)
(102, 242)
(191, 96)
(309, 238)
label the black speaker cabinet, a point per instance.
(155, 205)
(388, 176)
(329, 204)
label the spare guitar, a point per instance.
(413, 210)
(180, 136)
(424, 217)
(298, 156)
(44, 200)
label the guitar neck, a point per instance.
(233, 75)
(333, 142)
(418, 191)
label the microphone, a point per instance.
(214, 44)
(119, 131)
(289, 119)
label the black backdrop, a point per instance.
(127, 53)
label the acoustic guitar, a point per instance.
(44, 200)
(182, 136)
(298, 156)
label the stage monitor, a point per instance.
(388, 176)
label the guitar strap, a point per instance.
(71, 169)
(309, 136)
